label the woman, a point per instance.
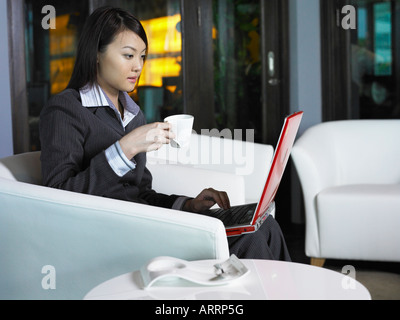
(94, 137)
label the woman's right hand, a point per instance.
(147, 138)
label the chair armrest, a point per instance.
(90, 239)
(313, 159)
(189, 181)
(25, 167)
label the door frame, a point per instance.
(19, 98)
(275, 97)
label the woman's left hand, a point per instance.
(206, 199)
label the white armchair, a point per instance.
(350, 177)
(87, 240)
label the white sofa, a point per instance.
(87, 240)
(350, 177)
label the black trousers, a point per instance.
(266, 243)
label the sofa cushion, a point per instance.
(355, 219)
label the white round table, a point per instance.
(267, 280)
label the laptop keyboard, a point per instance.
(235, 215)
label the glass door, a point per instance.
(375, 59)
(49, 54)
(250, 66)
(159, 92)
(360, 59)
(237, 64)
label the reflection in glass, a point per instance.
(63, 43)
(383, 39)
(50, 54)
(373, 72)
(237, 64)
(159, 93)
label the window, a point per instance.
(373, 62)
(206, 57)
(382, 16)
(237, 64)
(159, 93)
(361, 67)
(50, 54)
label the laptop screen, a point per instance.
(279, 162)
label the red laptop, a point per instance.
(248, 218)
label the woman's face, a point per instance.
(119, 67)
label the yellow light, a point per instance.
(60, 71)
(156, 69)
(165, 46)
(62, 59)
(62, 39)
(163, 34)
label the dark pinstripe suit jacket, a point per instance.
(73, 143)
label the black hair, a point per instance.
(101, 28)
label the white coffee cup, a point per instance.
(182, 126)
